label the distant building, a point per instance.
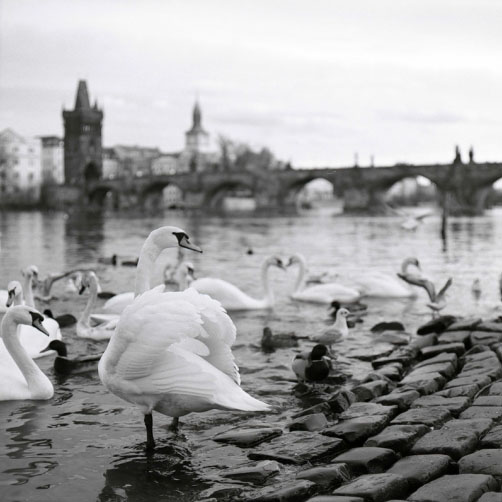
(167, 163)
(20, 169)
(52, 160)
(135, 161)
(83, 155)
(111, 164)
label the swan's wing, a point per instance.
(421, 282)
(442, 291)
(225, 292)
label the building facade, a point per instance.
(20, 169)
(52, 160)
(83, 153)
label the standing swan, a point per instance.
(233, 298)
(21, 378)
(320, 293)
(170, 351)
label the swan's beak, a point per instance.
(37, 323)
(81, 290)
(185, 243)
(10, 299)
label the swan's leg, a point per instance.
(150, 443)
(174, 424)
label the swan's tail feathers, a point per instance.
(241, 401)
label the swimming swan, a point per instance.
(233, 298)
(171, 351)
(20, 376)
(320, 293)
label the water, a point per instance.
(86, 444)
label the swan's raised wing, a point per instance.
(443, 290)
(415, 280)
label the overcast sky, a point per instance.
(314, 80)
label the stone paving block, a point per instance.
(456, 348)
(399, 438)
(402, 399)
(357, 429)
(288, 491)
(478, 353)
(452, 442)
(445, 369)
(395, 357)
(357, 410)
(481, 360)
(424, 387)
(419, 377)
(455, 337)
(341, 400)
(493, 412)
(478, 425)
(330, 476)
(367, 460)
(245, 438)
(465, 324)
(493, 438)
(455, 488)
(370, 390)
(480, 381)
(313, 422)
(420, 469)
(254, 473)
(432, 417)
(488, 401)
(437, 325)
(423, 341)
(317, 408)
(335, 498)
(495, 327)
(455, 405)
(485, 338)
(463, 390)
(496, 389)
(449, 357)
(375, 487)
(483, 462)
(491, 497)
(298, 447)
(493, 374)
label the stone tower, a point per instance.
(83, 156)
(196, 139)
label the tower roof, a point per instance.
(197, 120)
(82, 101)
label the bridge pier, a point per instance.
(465, 201)
(363, 200)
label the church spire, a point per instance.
(82, 100)
(196, 119)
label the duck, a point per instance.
(320, 293)
(64, 320)
(270, 342)
(65, 365)
(133, 262)
(108, 260)
(103, 330)
(312, 366)
(232, 298)
(171, 351)
(337, 331)
(382, 285)
(20, 376)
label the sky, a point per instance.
(316, 81)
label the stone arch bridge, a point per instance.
(463, 188)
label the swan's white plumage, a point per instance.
(118, 303)
(171, 353)
(382, 285)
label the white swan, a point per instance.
(29, 274)
(15, 294)
(233, 298)
(337, 331)
(320, 293)
(171, 351)
(102, 331)
(20, 376)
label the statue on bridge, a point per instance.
(458, 158)
(471, 155)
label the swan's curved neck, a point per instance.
(269, 293)
(31, 372)
(91, 302)
(300, 280)
(148, 255)
(405, 265)
(28, 291)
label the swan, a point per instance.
(312, 366)
(321, 293)
(15, 294)
(20, 376)
(233, 298)
(171, 352)
(45, 285)
(381, 285)
(102, 331)
(337, 331)
(30, 275)
(65, 365)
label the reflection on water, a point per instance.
(86, 444)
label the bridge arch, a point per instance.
(164, 194)
(411, 191)
(215, 197)
(91, 172)
(309, 192)
(103, 197)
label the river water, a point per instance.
(86, 444)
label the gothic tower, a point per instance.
(83, 160)
(196, 139)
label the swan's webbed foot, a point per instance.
(150, 442)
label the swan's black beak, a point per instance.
(10, 299)
(185, 243)
(81, 290)
(36, 322)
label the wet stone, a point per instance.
(446, 369)
(481, 359)
(341, 401)
(393, 338)
(493, 412)
(492, 373)
(465, 324)
(314, 422)
(463, 390)
(482, 462)
(493, 439)
(455, 337)
(393, 371)
(452, 442)
(477, 425)
(375, 487)
(423, 341)
(370, 390)
(496, 389)
(456, 348)
(387, 326)
(246, 438)
(367, 459)
(298, 447)
(426, 383)
(357, 410)
(401, 399)
(488, 401)
(330, 476)
(455, 405)
(317, 408)
(290, 491)
(372, 353)
(432, 417)
(446, 357)
(254, 473)
(357, 429)
(455, 488)
(479, 353)
(480, 381)
(491, 497)
(490, 326)
(399, 438)
(420, 469)
(335, 498)
(485, 338)
(437, 325)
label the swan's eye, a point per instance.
(12, 292)
(35, 316)
(180, 236)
